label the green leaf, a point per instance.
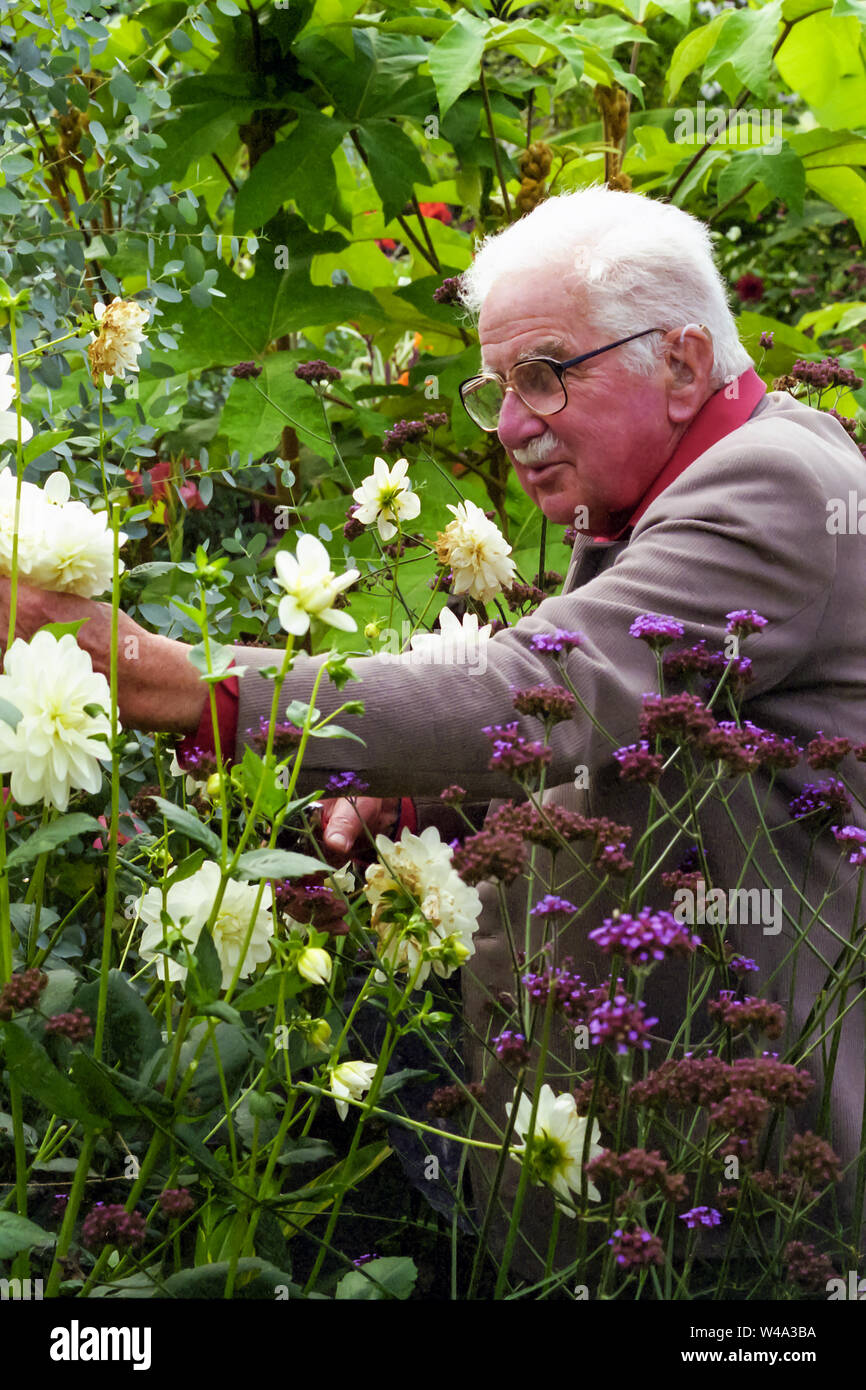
(455, 59)
(40, 1080)
(131, 1032)
(266, 991)
(52, 836)
(781, 172)
(277, 863)
(821, 59)
(44, 443)
(395, 164)
(336, 731)
(123, 88)
(188, 824)
(254, 1278)
(746, 42)
(205, 982)
(17, 1233)
(299, 168)
(691, 52)
(393, 1276)
(845, 189)
(59, 630)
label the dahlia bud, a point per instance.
(319, 1033)
(315, 965)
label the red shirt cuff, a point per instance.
(203, 740)
(408, 817)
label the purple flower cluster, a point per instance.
(638, 764)
(76, 1026)
(741, 965)
(656, 630)
(828, 797)
(514, 754)
(642, 939)
(851, 837)
(112, 1225)
(572, 995)
(317, 371)
(22, 992)
(511, 1047)
(620, 1021)
(552, 703)
(244, 370)
(550, 904)
(556, 642)
(674, 717)
(825, 752)
(637, 1248)
(825, 373)
(740, 1014)
(404, 432)
(176, 1202)
(743, 621)
(701, 1216)
(345, 784)
(449, 291)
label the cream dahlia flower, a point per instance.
(311, 588)
(9, 418)
(441, 935)
(385, 498)
(351, 1080)
(62, 545)
(189, 905)
(477, 553)
(114, 350)
(56, 746)
(458, 643)
(555, 1151)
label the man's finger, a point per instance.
(342, 827)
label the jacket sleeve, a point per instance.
(743, 527)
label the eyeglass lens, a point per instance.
(535, 382)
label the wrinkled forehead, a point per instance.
(532, 315)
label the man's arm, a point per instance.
(157, 685)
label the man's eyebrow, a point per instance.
(550, 347)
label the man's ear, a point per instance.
(688, 367)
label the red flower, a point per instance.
(750, 288)
(440, 211)
(159, 476)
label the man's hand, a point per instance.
(343, 821)
(157, 685)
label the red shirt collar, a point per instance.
(725, 411)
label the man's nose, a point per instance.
(517, 423)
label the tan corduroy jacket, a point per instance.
(751, 523)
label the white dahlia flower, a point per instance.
(351, 1080)
(62, 545)
(555, 1151)
(474, 548)
(439, 932)
(311, 588)
(9, 418)
(114, 350)
(56, 746)
(189, 905)
(385, 498)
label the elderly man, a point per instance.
(615, 380)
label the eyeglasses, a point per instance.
(538, 381)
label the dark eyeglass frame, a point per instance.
(559, 368)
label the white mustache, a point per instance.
(537, 450)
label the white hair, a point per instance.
(634, 262)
